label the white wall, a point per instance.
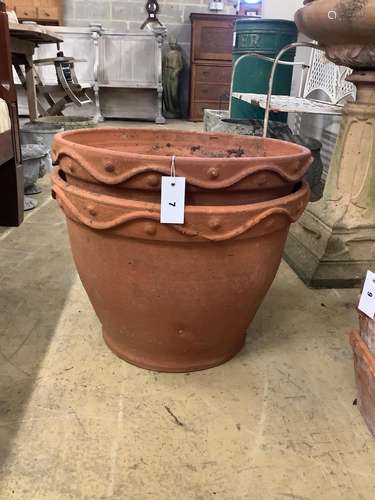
(281, 9)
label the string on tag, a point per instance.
(172, 199)
(173, 170)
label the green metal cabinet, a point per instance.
(266, 37)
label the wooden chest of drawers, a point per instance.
(211, 62)
(40, 11)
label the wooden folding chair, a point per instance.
(67, 82)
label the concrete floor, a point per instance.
(277, 422)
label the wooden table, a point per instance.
(24, 39)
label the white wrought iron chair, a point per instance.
(319, 75)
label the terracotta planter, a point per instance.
(364, 365)
(175, 298)
(219, 168)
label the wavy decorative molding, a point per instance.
(300, 170)
(138, 215)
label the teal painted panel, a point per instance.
(265, 37)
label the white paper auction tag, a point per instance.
(172, 200)
(367, 302)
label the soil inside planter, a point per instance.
(196, 150)
(200, 151)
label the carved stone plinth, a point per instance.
(333, 245)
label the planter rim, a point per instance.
(202, 223)
(34, 127)
(194, 209)
(62, 140)
(64, 119)
(86, 156)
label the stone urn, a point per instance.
(333, 245)
(345, 28)
(39, 133)
(177, 297)
(35, 160)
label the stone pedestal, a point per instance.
(333, 244)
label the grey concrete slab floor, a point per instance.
(276, 422)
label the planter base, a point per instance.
(364, 363)
(142, 362)
(325, 254)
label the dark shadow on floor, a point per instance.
(36, 274)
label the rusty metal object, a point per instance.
(215, 165)
(175, 298)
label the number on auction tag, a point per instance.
(172, 200)
(367, 302)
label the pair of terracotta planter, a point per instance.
(177, 297)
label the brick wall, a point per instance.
(128, 15)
